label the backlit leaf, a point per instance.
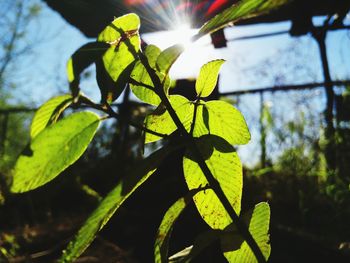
(80, 60)
(259, 222)
(123, 37)
(53, 150)
(208, 77)
(119, 62)
(123, 25)
(214, 117)
(162, 122)
(152, 53)
(226, 167)
(135, 178)
(168, 57)
(166, 226)
(145, 89)
(142, 86)
(108, 87)
(165, 229)
(49, 112)
(201, 126)
(222, 119)
(244, 9)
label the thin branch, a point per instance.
(194, 117)
(9, 55)
(109, 110)
(135, 82)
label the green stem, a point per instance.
(213, 183)
(194, 116)
(137, 83)
(108, 109)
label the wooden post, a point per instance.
(262, 132)
(4, 133)
(330, 152)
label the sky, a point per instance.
(61, 40)
(249, 63)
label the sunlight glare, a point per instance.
(195, 55)
(171, 23)
(182, 34)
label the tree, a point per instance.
(15, 18)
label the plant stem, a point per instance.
(108, 109)
(213, 183)
(134, 82)
(194, 117)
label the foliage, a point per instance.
(205, 131)
(244, 9)
(8, 246)
(15, 18)
(49, 112)
(53, 150)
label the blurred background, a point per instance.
(288, 72)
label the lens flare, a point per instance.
(182, 35)
(160, 15)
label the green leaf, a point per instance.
(80, 60)
(232, 244)
(208, 77)
(53, 150)
(123, 37)
(123, 25)
(49, 112)
(160, 120)
(108, 88)
(118, 58)
(168, 57)
(222, 119)
(152, 53)
(244, 9)
(214, 117)
(145, 89)
(226, 167)
(259, 222)
(165, 229)
(142, 85)
(166, 226)
(201, 126)
(110, 204)
(119, 62)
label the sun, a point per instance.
(179, 34)
(195, 54)
(183, 34)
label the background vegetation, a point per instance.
(309, 202)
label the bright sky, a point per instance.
(61, 40)
(250, 63)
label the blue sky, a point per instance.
(250, 63)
